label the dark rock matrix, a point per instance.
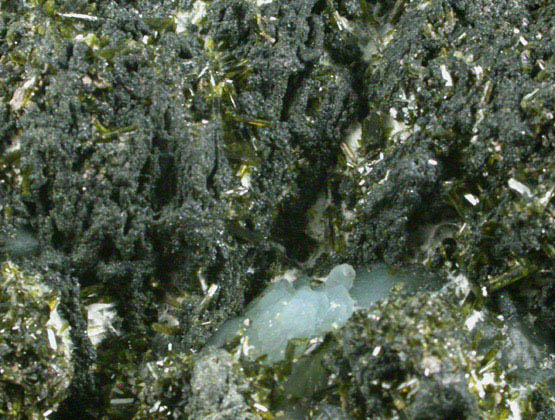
(162, 161)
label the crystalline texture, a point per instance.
(288, 311)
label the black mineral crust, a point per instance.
(457, 154)
(161, 161)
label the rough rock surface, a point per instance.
(166, 159)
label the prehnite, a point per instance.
(296, 310)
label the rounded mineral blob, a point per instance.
(343, 274)
(288, 311)
(285, 311)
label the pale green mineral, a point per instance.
(287, 311)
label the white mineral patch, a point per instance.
(21, 94)
(473, 319)
(515, 409)
(479, 72)
(79, 16)
(57, 328)
(52, 339)
(288, 275)
(399, 130)
(520, 188)
(446, 76)
(352, 142)
(342, 23)
(194, 16)
(462, 285)
(100, 317)
(472, 199)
